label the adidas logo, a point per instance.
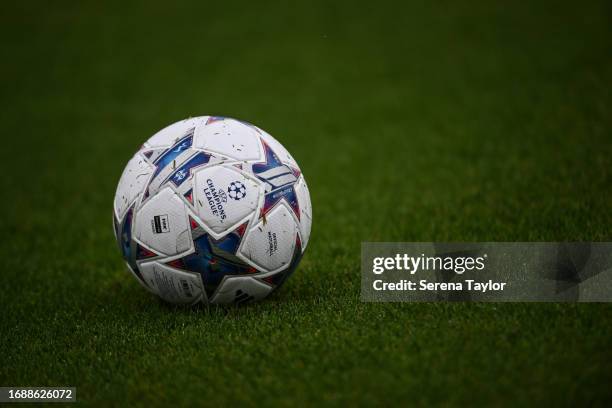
(242, 297)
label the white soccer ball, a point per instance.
(212, 209)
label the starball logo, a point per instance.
(413, 264)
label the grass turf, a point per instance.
(413, 121)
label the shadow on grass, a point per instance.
(125, 296)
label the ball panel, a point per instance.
(240, 289)
(162, 225)
(270, 244)
(305, 210)
(168, 135)
(133, 181)
(225, 197)
(140, 278)
(175, 163)
(172, 285)
(230, 138)
(279, 149)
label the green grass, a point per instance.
(418, 121)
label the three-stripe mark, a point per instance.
(277, 177)
(242, 297)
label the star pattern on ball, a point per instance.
(279, 180)
(171, 153)
(168, 157)
(213, 259)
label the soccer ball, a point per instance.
(212, 209)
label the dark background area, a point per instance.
(412, 121)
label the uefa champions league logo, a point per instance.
(236, 190)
